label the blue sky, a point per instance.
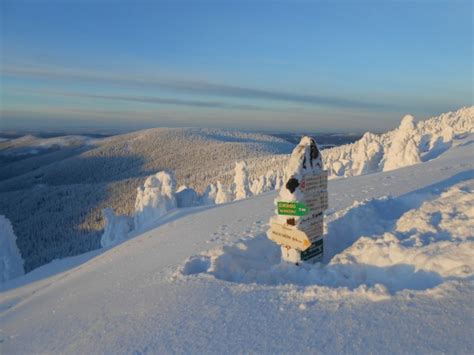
(256, 65)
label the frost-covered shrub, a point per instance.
(155, 198)
(116, 228)
(11, 262)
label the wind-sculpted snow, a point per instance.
(386, 244)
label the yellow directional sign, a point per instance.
(291, 237)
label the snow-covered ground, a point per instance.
(397, 277)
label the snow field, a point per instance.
(186, 285)
(376, 248)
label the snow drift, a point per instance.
(387, 244)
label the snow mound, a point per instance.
(414, 242)
(11, 262)
(155, 198)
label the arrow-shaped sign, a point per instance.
(288, 236)
(292, 208)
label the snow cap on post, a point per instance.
(304, 159)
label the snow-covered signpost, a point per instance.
(298, 224)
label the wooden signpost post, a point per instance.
(298, 226)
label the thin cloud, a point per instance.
(154, 100)
(194, 87)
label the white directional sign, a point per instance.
(314, 182)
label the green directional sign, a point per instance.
(292, 208)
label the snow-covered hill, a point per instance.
(397, 277)
(31, 145)
(55, 199)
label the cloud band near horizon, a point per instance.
(188, 86)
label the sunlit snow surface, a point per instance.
(397, 277)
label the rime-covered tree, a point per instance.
(241, 181)
(403, 150)
(155, 198)
(223, 194)
(11, 262)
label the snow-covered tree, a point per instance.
(270, 180)
(223, 194)
(11, 262)
(367, 154)
(241, 181)
(209, 195)
(279, 180)
(155, 198)
(116, 228)
(403, 150)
